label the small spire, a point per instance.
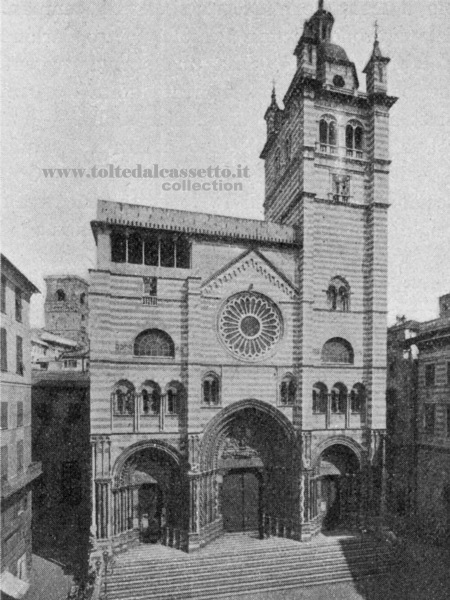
(320, 4)
(376, 30)
(274, 94)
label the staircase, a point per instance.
(238, 564)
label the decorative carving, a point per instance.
(258, 265)
(238, 446)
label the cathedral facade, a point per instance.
(238, 367)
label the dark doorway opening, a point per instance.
(339, 487)
(151, 512)
(241, 500)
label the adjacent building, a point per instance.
(60, 418)
(433, 407)
(238, 367)
(18, 470)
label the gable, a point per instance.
(250, 269)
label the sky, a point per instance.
(185, 83)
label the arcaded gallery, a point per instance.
(238, 366)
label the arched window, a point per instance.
(154, 342)
(173, 395)
(211, 390)
(60, 295)
(337, 350)
(354, 138)
(151, 398)
(328, 134)
(82, 298)
(338, 398)
(338, 294)
(358, 398)
(320, 398)
(288, 390)
(123, 398)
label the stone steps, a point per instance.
(270, 565)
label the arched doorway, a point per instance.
(339, 486)
(150, 493)
(248, 453)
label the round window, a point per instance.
(338, 81)
(249, 325)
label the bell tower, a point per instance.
(326, 173)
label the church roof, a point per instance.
(153, 217)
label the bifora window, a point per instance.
(151, 398)
(354, 138)
(337, 350)
(211, 390)
(123, 398)
(328, 134)
(288, 390)
(249, 325)
(320, 398)
(154, 342)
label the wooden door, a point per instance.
(240, 501)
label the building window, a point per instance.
(4, 417)
(123, 398)
(354, 140)
(3, 293)
(328, 135)
(155, 248)
(154, 342)
(20, 414)
(277, 163)
(70, 364)
(172, 401)
(430, 413)
(288, 149)
(118, 247)
(18, 305)
(338, 398)
(151, 398)
(4, 348)
(43, 366)
(338, 295)
(20, 367)
(4, 466)
(211, 390)
(60, 295)
(320, 398)
(20, 456)
(430, 375)
(150, 286)
(82, 298)
(310, 54)
(337, 350)
(340, 188)
(358, 398)
(288, 390)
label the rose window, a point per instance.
(249, 325)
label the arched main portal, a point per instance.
(150, 492)
(249, 453)
(339, 486)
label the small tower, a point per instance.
(66, 306)
(376, 70)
